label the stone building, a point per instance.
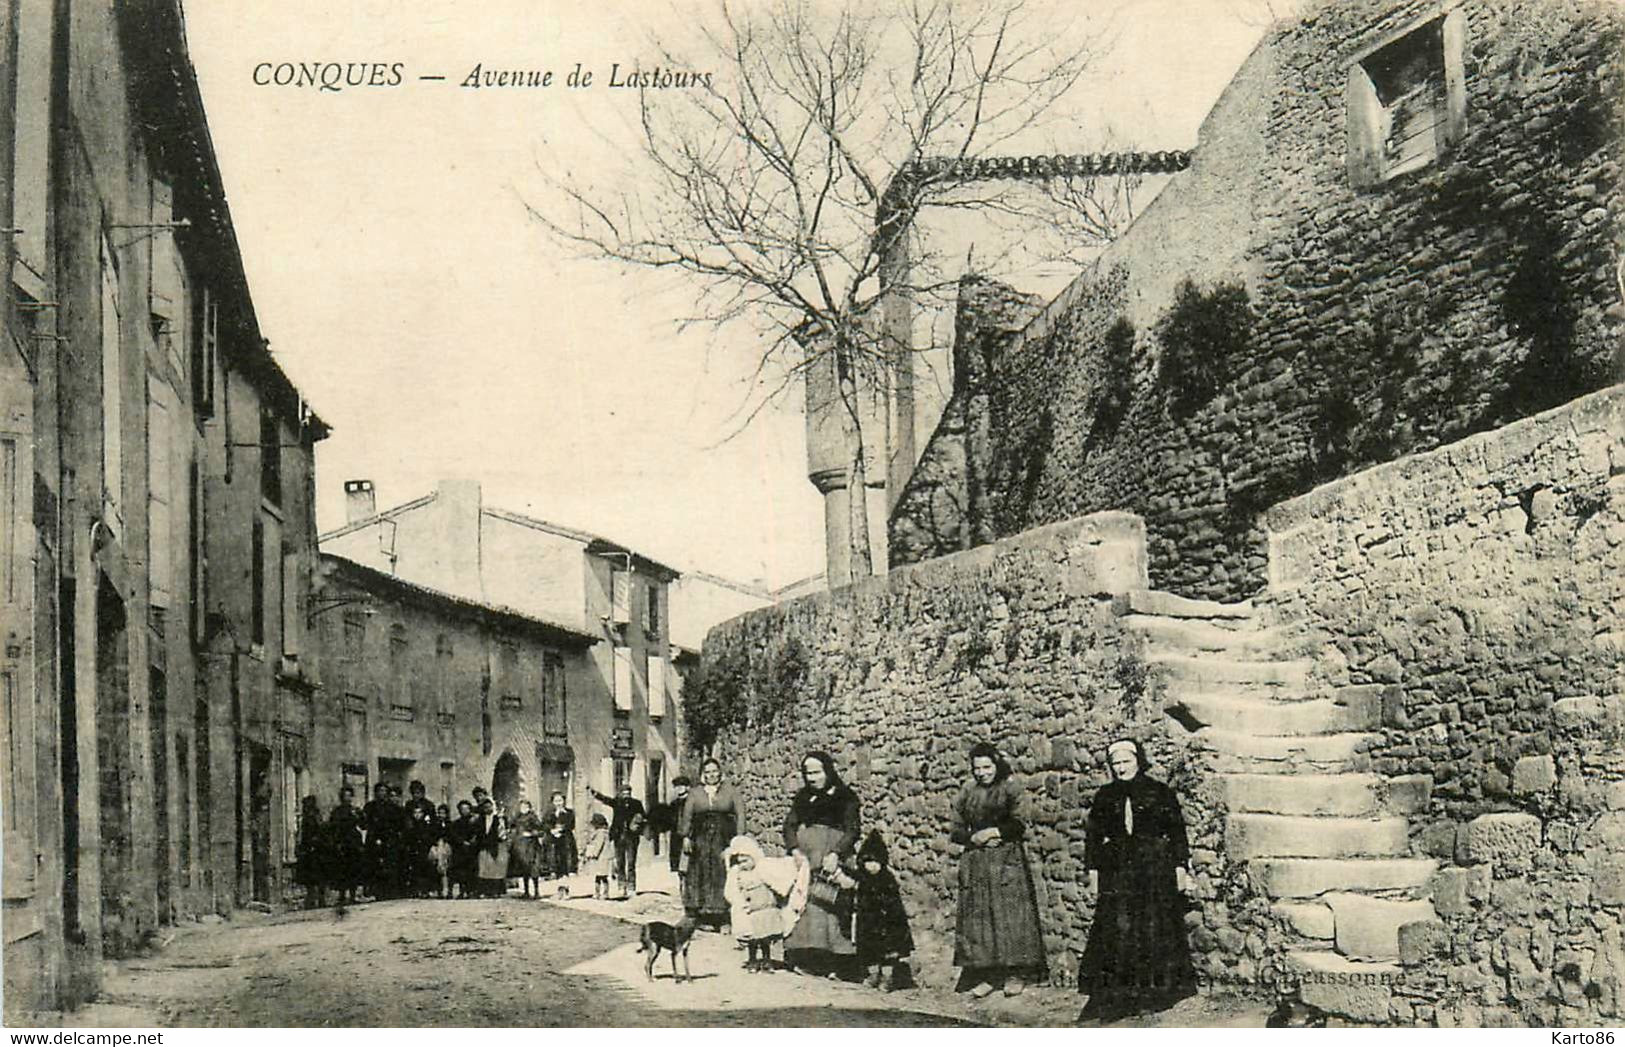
(422, 685)
(156, 528)
(1401, 226)
(624, 715)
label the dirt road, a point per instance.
(512, 962)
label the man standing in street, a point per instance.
(625, 833)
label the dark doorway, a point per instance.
(259, 820)
(205, 796)
(557, 771)
(119, 922)
(651, 797)
(68, 723)
(507, 786)
(158, 733)
(183, 789)
(396, 772)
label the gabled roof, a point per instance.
(392, 586)
(387, 514)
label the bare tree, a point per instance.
(786, 180)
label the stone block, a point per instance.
(1422, 942)
(1368, 928)
(1410, 794)
(1504, 839)
(1533, 774)
(1449, 890)
(1366, 1003)
(1608, 878)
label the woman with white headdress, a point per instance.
(1137, 959)
(998, 937)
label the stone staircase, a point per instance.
(1322, 837)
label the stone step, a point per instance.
(1354, 989)
(1286, 754)
(1152, 601)
(1308, 919)
(1261, 716)
(1368, 928)
(1293, 836)
(1318, 794)
(1192, 635)
(1219, 670)
(1313, 877)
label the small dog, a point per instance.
(675, 939)
(563, 893)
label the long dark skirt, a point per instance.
(998, 912)
(1138, 957)
(824, 931)
(707, 874)
(559, 854)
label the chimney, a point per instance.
(454, 564)
(360, 500)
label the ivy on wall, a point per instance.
(1205, 335)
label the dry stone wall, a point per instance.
(1484, 584)
(1016, 643)
(1387, 319)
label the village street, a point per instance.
(513, 962)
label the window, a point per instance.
(512, 702)
(197, 559)
(399, 682)
(623, 679)
(555, 721)
(508, 684)
(623, 773)
(651, 614)
(292, 620)
(257, 577)
(205, 350)
(355, 635)
(160, 569)
(657, 685)
(1406, 102)
(270, 458)
(403, 712)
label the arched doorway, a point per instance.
(507, 784)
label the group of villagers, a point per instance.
(834, 906)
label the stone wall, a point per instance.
(1483, 583)
(1015, 642)
(1385, 320)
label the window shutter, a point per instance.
(1364, 129)
(620, 597)
(291, 624)
(160, 534)
(1454, 125)
(657, 685)
(623, 679)
(604, 781)
(112, 384)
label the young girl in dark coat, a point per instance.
(882, 935)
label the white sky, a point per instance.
(429, 321)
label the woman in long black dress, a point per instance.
(823, 824)
(312, 865)
(711, 817)
(347, 855)
(998, 937)
(525, 860)
(1138, 958)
